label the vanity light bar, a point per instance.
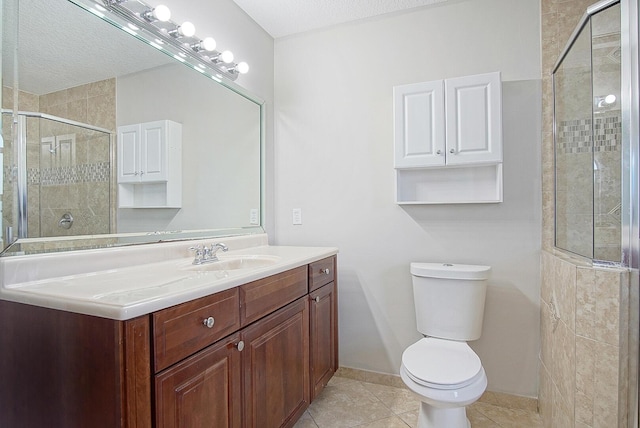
(179, 40)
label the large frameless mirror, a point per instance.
(70, 80)
(588, 138)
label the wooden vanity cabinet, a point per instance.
(205, 390)
(323, 323)
(270, 347)
(276, 367)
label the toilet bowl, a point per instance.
(441, 368)
(447, 376)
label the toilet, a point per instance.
(441, 368)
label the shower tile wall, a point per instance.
(584, 345)
(583, 361)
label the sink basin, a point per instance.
(235, 263)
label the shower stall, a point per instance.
(56, 177)
(597, 198)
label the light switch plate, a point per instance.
(297, 216)
(253, 216)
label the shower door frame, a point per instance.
(629, 32)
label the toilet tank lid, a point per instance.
(450, 271)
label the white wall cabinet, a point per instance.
(150, 165)
(448, 140)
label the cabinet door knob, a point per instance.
(439, 152)
(325, 271)
(316, 299)
(452, 151)
(141, 172)
(135, 173)
(209, 322)
(240, 345)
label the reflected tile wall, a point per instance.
(584, 344)
(75, 177)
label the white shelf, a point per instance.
(470, 184)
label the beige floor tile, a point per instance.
(306, 421)
(397, 399)
(410, 418)
(478, 420)
(392, 422)
(347, 404)
(508, 418)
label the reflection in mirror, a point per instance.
(74, 81)
(588, 140)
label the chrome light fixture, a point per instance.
(177, 40)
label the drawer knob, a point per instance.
(209, 322)
(325, 271)
(240, 345)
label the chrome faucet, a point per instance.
(204, 254)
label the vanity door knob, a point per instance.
(452, 151)
(439, 152)
(240, 345)
(209, 322)
(325, 271)
(316, 299)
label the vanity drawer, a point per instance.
(321, 272)
(261, 297)
(184, 329)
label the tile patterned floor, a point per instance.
(348, 403)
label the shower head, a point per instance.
(605, 101)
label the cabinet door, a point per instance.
(128, 154)
(276, 367)
(153, 153)
(203, 390)
(419, 130)
(323, 337)
(474, 119)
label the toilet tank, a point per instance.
(449, 299)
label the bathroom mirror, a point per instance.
(70, 79)
(588, 138)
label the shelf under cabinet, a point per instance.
(469, 184)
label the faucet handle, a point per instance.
(218, 246)
(196, 248)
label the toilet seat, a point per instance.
(441, 364)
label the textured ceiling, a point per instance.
(286, 17)
(61, 46)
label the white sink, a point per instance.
(235, 263)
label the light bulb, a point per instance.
(226, 57)
(242, 67)
(159, 13)
(208, 44)
(187, 29)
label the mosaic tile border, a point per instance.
(574, 136)
(60, 176)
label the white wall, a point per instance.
(334, 160)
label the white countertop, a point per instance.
(124, 283)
